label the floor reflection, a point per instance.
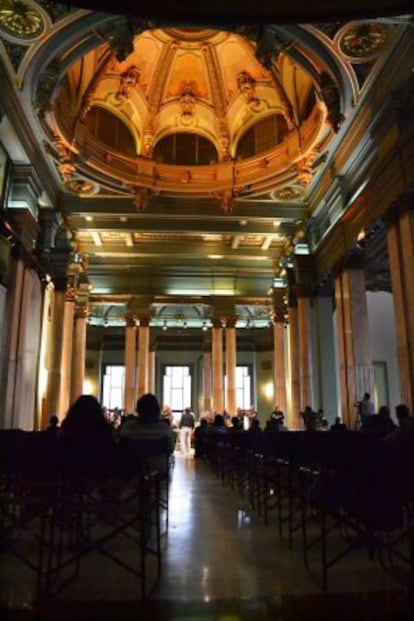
(220, 564)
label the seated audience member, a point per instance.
(201, 433)
(236, 424)
(338, 425)
(53, 426)
(149, 425)
(219, 425)
(254, 427)
(86, 436)
(380, 424)
(405, 421)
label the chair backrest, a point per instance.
(144, 455)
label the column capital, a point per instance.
(144, 321)
(230, 321)
(130, 320)
(70, 293)
(81, 311)
(217, 322)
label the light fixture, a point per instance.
(204, 327)
(164, 325)
(185, 325)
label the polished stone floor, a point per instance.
(220, 564)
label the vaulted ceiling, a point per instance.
(186, 162)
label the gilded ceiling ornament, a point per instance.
(187, 100)
(129, 80)
(289, 193)
(66, 170)
(363, 40)
(81, 186)
(304, 170)
(20, 19)
(142, 196)
(247, 87)
(148, 142)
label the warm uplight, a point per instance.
(268, 390)
(88, 387)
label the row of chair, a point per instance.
(331, 492)
(57, 507)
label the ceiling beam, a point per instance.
(198, 227)
(182, 208)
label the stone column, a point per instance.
(305, 350)
(143, 355)
(79, 351)
(67, 346)
(54, 382)
(151, 370)
(10, 363)
(207, 359)
(354, 347)
(279, 371)
(217, 360)
(129, 361)
(400, 241)
(231, 355)
(294, 419)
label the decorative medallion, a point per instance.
(20, 19)
(289, 193)
(81, 186)
(363, 40)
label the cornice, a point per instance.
(27, 139)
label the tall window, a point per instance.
(113, 386)
(244, 395)
(177, 387)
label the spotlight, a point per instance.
(204, 327)
(164, 325)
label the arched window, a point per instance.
(262, 136)
(186, 149)
(110, 130)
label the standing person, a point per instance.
(186, 429)
(366, 408)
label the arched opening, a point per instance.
(186, 149)
(109, 129)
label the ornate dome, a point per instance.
(187, 111)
